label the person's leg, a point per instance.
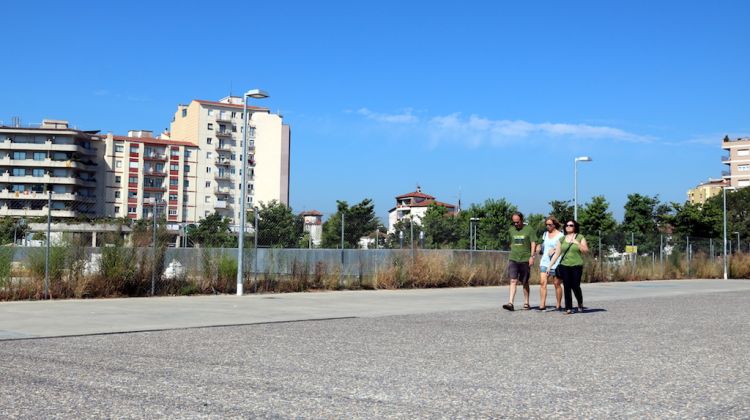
(577, 274)
(542, 289)
(523, 277)
(513, 274)
(558, 289)
(565, 275)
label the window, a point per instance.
(743, 183)
(222, 128)
(234, 114)
(133, 180)
(187, 153)
(173, 181)
(39, 155)
(118, 164)
(131, 209)
(208, 169)
(117, 194)
(186, 183)
(210, 111)
(119, 148)
(132, 194)
(134, 149)
(19, 155)
(743, 152)
(208, 155)
(172, 197)
(19, 172)
(174, 152)
(743, 168)
(234, 128)
(37, 172)
(210, 126)
(174, 167)
(187, 169)
(251, 131)
(118, 179)
(207, 199)
(209, 140)
(208, 184)
(184, 112)
(117, 209)
(159, 167)
(173, 212)
(133, 165)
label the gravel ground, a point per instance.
(677, 357)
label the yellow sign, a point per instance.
(631, 249)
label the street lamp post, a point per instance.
(739, 247)
(726, 268)
(575, 183)
(256, 94)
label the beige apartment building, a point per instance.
(704, 191)
(143, 173)
(216, 129)
(49, 158)
(738, 162)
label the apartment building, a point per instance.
(413, 206)
(50, 158)
(705, 190)
(144, 173)
(216, 128)
(738, 161)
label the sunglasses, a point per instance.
(570, 225)
(549, 224)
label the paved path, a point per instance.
(95, 316)
(645, 350)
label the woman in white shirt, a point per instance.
(550, 238)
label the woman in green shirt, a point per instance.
(571, 248)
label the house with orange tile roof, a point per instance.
(414, 206)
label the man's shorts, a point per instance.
(550, 271)
(519, 271)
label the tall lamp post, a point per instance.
(255, 94)
(726, 268)
(575, 183)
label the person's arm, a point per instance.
(557, 254)
(533, 248)
(583, 246)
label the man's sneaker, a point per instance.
(508, 306)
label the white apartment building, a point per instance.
(414, 206)
(51, 158)
(216, 128)
(738, 160)
(143, 172)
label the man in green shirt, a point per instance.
(522, 244)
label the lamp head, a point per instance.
(583, 159)
(256, 94)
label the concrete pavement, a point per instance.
(20, 320)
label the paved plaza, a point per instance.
(667, 349)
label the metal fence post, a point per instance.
(687, 253)
(46, 253)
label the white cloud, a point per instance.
(404, 117)
(476, 130)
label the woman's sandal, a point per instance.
(508, 306)
(526, 306)
(568, 312)
(542, 308)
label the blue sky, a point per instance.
(491, 99)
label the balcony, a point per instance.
(154, 187)
(224, 117)
(222, 191)
(726, 173)
(155, 157)
(223, 133)
(46, 179)
(220, 204)
(223, 177)
(5, 211)
(42, 195)
(154, 172)
(726, 159)
(47, 146)
(223, 162)
(224, 147)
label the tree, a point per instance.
(596, 217)
(442, 230)
(704, 221)
(404, 225)
(644, 216)
(562, 210)
(359, 221)
(278, 227)
(212, 232)
(494, 223)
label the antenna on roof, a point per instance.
(230, 88)
(458, 210)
